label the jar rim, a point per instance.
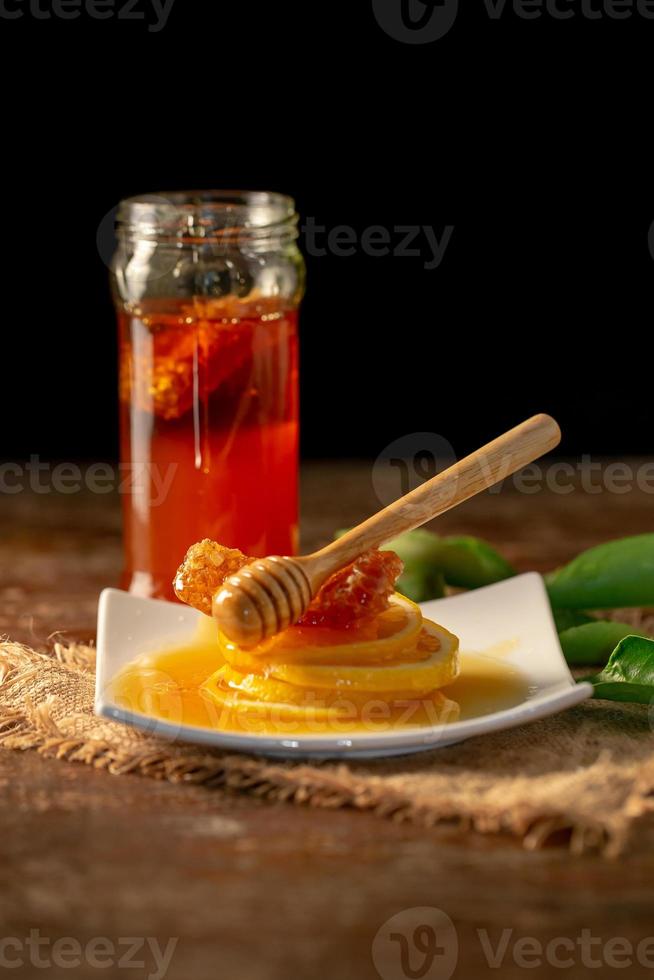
(203, 213)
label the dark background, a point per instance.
(532, 138)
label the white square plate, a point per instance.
(514, 614)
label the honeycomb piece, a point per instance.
(357, 593)
(353, 596)
(205, 567)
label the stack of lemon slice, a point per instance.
(387, 672)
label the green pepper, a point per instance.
(593, 642)
(618, 573)
(465, 562)
(421, 584)
(469, 563)
(416, 547)
(422, 578)
(629, 674)
(565, 619)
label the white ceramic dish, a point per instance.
(514, 614)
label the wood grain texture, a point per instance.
(268, 892)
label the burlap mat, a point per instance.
(586, 776)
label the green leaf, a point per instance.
(629, 674)
(593, 642)
(614, 574)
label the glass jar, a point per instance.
(207, 286)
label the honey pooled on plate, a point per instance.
(363, 658)
(172, 685)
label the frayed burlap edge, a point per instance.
(33, 727)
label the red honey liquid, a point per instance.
(209, 432)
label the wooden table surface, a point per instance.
(265, 891)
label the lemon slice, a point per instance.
(255, 687)
(235, 693)
(419, 676)
(280, 718)
(395, 631)
(249, 688)
(242, 700)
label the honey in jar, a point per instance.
(207, 288)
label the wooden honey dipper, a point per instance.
(268, 595)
